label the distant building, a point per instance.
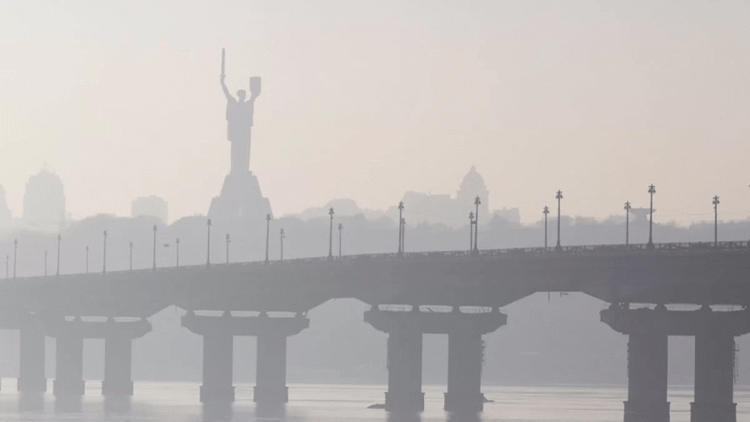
(4, 210)
(44, 202)
(442, 209)
(151, 206)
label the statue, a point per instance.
(239, 121)
(241, 198)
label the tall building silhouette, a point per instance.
(44, 202)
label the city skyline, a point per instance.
(524, 93)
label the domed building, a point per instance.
(44, 202)
(471, 187)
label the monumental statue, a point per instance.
(239, 120)
(240, 195)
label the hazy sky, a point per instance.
(368, 99)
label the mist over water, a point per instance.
(176, 402)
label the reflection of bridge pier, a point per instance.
(465, 353)
(218, 337)
(648, 359)
(118, 337)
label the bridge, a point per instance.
(641, 282)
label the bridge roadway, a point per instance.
(687, 273)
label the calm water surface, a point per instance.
(178, 402)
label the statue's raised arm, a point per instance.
(226, 90)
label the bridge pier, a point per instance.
(218, 337)
(118, 351)
(714, 365)
(117, 337)
(69, 364)
(31, 376)
(465, 353)
(648, 359)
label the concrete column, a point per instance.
(117, 365)
(647, 378)
(31, 377)
(270, 375)
(464, 372)
(714, 378)
(69, 365)
(217, 367)
(404, 393)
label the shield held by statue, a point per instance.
(255, 86)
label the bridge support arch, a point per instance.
(218, 337)
(465, 355)
(117, 337)
(648, 359)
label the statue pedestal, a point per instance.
(240, 199)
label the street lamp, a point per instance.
(15, 257)
(208, 243)
(330, 235)
(716, 220)
(341, 227)
(154, 268)
(559, 196)
(87, 259)
(471, 230)
(477, 201)
(545, 211)
(177, 252)
(45, 263)
(130, 246)
(627, 209)
(59, 239)
(228, 242)
(403, 236)
(268, 230)
(104, 254)
(281, 244)
(651, 191)
(400, 227)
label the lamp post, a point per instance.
(104, 254)
(154, 267)
(228, 242)
(268, 231)
(208, 243)
(341, 227)
(281, 244)
(177, 253)
(403, 236)
(45, 263)
(400, 232)
(59, 239)
(559, 196)
(330, 235)
(87, 259)
(716, 220)
(477, 201)
(545, 211)
(471, 230)
(627, 209)
(651, 191)
(15, 257)
(130, 246)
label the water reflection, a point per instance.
(68, 404)
(217, 411)
(463, 417)
(270, 411)
(403, 417)
(31, 402)
(118, 405)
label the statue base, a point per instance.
(241, 199)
